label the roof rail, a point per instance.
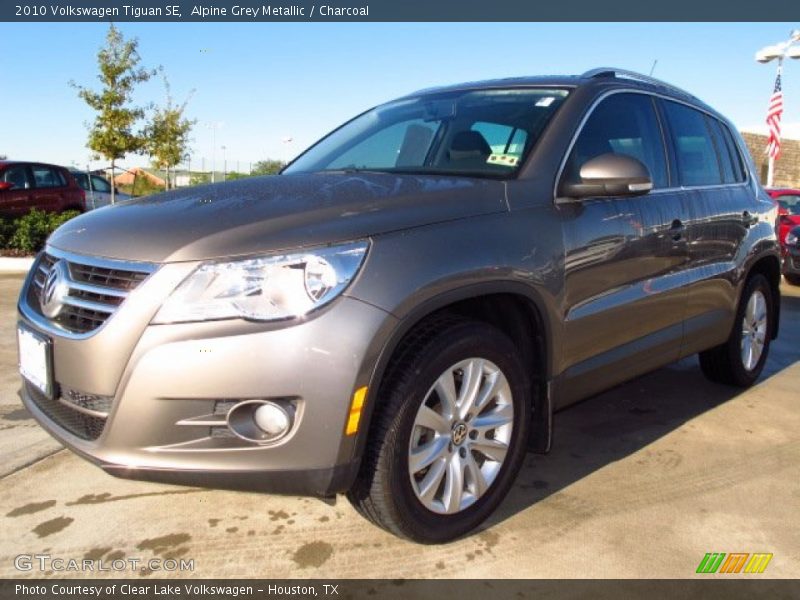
(624, 74)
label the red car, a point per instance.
(28, 185)
(788, 200)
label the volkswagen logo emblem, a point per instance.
(55, 289)
(459, 433)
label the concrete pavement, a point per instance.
(642, 482)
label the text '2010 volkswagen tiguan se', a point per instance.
(399, 313)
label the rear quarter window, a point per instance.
(695, 152)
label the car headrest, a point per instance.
(468, 144)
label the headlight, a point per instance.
(265, 288)
(791, 239)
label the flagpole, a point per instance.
(779, 51)
(771, 164)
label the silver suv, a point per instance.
(399, 313)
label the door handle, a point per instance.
(749, 219)
(676, 230)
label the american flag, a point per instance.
(774, 113)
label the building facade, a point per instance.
(787, 167)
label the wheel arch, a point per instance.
(514, 308)
(769, 266)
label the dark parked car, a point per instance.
(28, 185)
(398, 315)
(791, 256)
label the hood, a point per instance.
(265, 214)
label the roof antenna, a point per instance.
(653, 68)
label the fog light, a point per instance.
(260, 420)
(272, 419)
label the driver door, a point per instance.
(17, 200)
(624, 301)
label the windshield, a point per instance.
(790, 202)
(480, 133)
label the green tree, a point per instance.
(112, 134)
(167, 134)
(267, 167)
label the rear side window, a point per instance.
(694, 149)
(82, 180)
(622, 124)
(45, 177)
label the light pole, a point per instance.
(778, 52)
(287, 142)
(224, 164)
(213, 126)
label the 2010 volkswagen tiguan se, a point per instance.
(399, 313)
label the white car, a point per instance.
(98, 189)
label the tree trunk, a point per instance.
(113, 184)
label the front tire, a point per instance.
(740, 360)
(450, 433)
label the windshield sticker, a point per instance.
(546, 101)
(504, 160)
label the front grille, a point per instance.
(81, 424)
(110, 278)
(95, 292)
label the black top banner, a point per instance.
(398, 10)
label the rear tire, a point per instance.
(450, 433)
(740, 360)
(792, 279)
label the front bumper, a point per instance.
(165, 385)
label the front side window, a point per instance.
(622, 124)
(694, 149)
(100, 185)
(18, 176)
(479, 133)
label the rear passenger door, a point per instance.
(49, 188)
(624, 303)
(711, 171)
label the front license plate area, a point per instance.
(36, 359)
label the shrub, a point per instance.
(27, 234)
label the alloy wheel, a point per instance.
(754, 330)
(461, 436)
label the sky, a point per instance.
(252, 86)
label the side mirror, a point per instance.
(609, 175)
(5, 185)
